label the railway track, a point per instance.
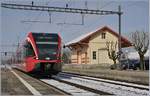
(73, 84)
(108, 86)
(36, 86)
(66, 87)
(128, 84)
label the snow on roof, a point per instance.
(82, 37)
(79, 38)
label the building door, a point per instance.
(102, 56)
(79, 57)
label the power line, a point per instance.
(58, 9)
(37, 17)
(106, 4)
(34, 21)
(69, 23)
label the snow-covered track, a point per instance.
(70, 89)
(111, 88)
(139, 86)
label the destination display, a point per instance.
(42, 37)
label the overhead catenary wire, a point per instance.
(49, 13)
(69, 10)
(86, 4)
(37, 17)
(50, 17)
(103, 6)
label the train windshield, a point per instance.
(47, 44)
(47, 47)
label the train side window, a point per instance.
(29, 50)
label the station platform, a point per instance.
(10, 84)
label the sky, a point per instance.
(13, 29)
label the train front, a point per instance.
(47, 47)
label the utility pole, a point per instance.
(119, 29)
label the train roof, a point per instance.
(42, 33)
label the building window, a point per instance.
(103, 35)
(94, 54)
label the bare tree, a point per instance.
(140, 42)
(112, 51)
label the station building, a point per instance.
(90, 48)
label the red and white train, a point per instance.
(40, 53)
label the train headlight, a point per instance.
(36, 58)
(58, 58)
(47, 58)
